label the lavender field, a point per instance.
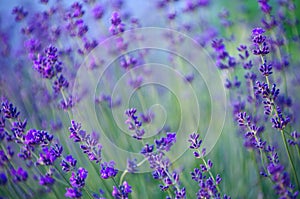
(149, 99)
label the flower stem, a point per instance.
(126, 171)
(290, 158)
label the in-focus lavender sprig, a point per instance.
(89, 143)
(122, 191)
(208, 184)
(260, 45)
(134, 124)
(108, 170)
(272, 168)
(157, 158)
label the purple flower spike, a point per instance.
(195, 141)
(180, 194)
(68, 163)
(266, 69)
(3, 179)
(9, 111)
(98, 11)
(36, 137)
(47, 157)
(115, 19)
(264, 6)
(73, 193)
(260, 45)
(75, 131)
(116, 24)
(20, 13)
(148, 149)
(77, 180)
(258, 31)
(108, 170)
(46, 180)
(122, 191)
(165, 143)
(134, 124)
(19, 175)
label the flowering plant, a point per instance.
(152, 99)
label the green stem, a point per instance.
(126, 171)
(209, 172)
(258, 175)
(88, 193)
(290, 158)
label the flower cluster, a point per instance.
(134, 124)
(89, 142)
(68, 163)
(29, 143)
(49, 66)
(253, 132)
(37, 137)
(117, 26)
(49, 155)
(224, 60)
(77, 180)
(161, 164)
(122, 191)
(37, 160)
(260, 45)
(19, 13)
(108, 170)
(281, 179)
(208, 185)
(75, 24)
(19, 175)
(265, 95)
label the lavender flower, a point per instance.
(132, 166)
(76, 131)
(3, 179)
(98, 11)
(224, 60)
(259, 42)
(9, 111)
(19, 175)
(46, 157)
(108, 170)
(77, 180)
(195, 141)
(180, 194)
(68, 163)
(37, 137)
(280, 178)
(50, 67)
(19, 13)
(295, 139)
(165, 143)
(60, 83)
(117, 26)
(69, 102)
(264, 6)
(46, 180)
(39, 28)
(208, 185)
(89, 143)
(73, 193)
(266, 69)
(122, 191)
(76, 10)
(134, 124)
